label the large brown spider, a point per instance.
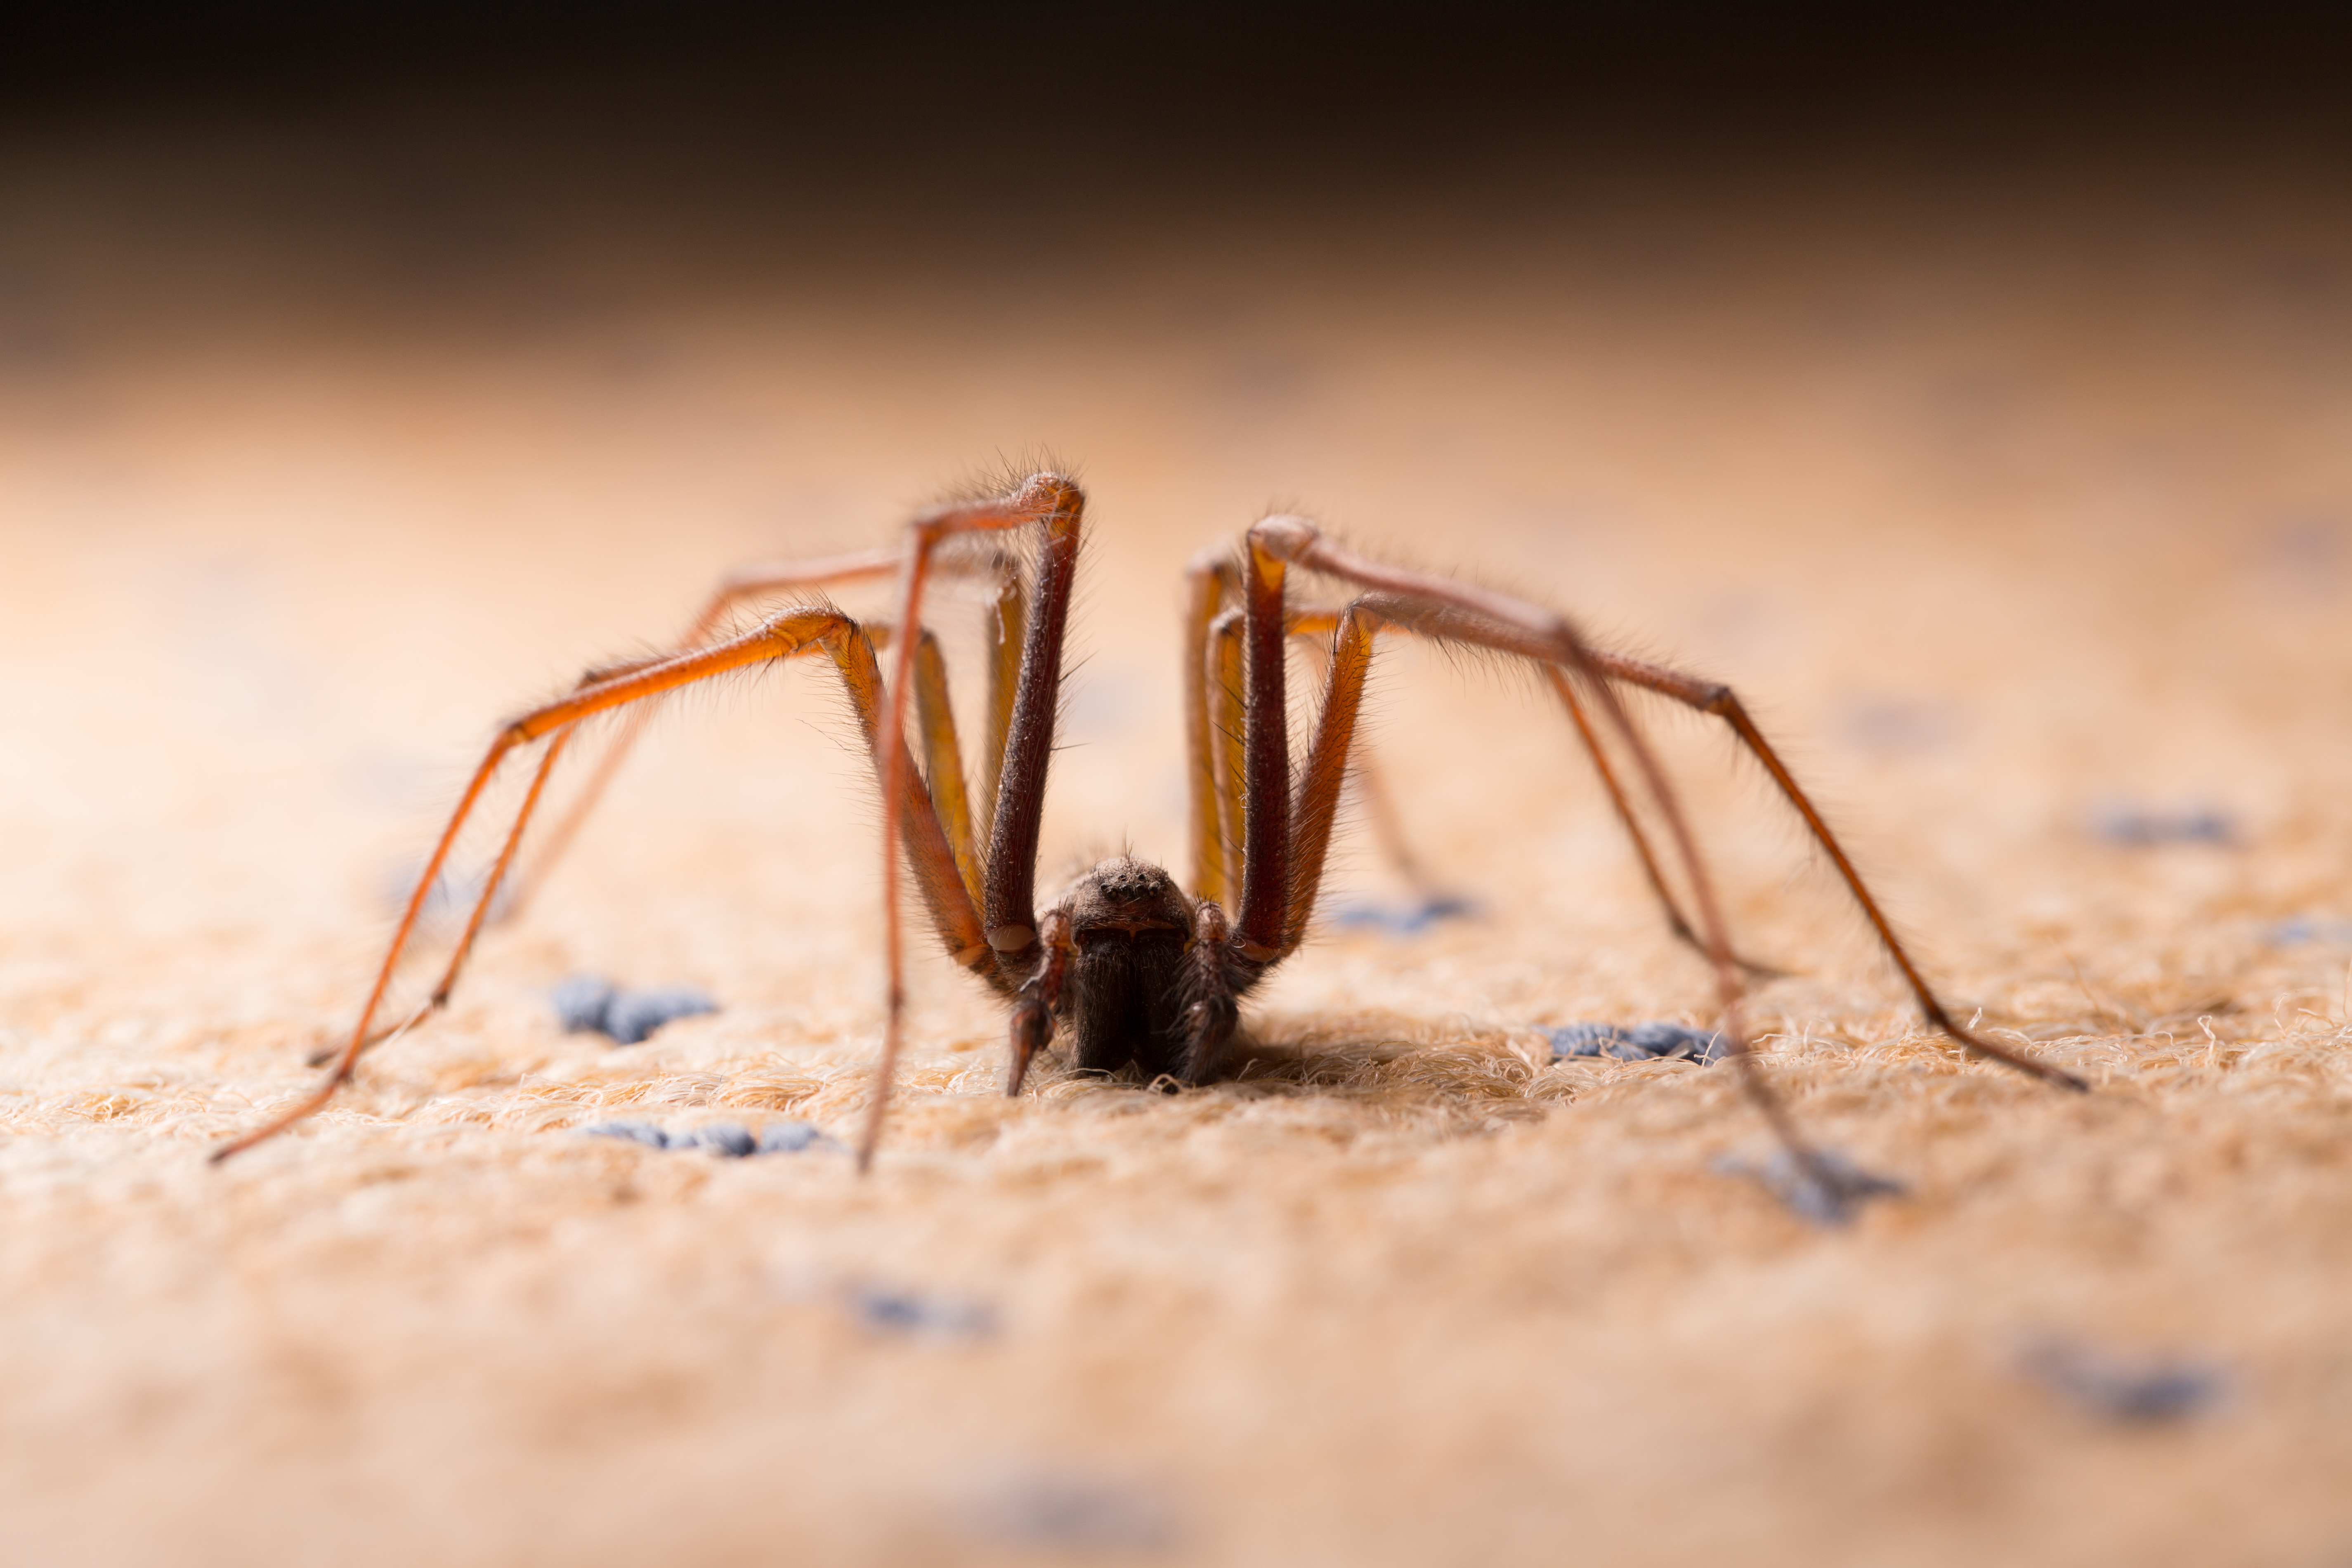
(1137, 970)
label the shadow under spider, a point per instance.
(1318, 1057)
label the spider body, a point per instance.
(1134, 969)
(1129, 994)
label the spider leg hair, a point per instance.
(1009, 893)
(1475, 624)
(786, 635)
(1425, 621)
(1214, 724)
(1210, 580)
(1395, 593)
(1565, 688)
(743, 584)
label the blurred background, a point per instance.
(1972, 385)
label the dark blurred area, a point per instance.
(1229, 76)
(441, 140)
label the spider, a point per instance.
(1138, 971)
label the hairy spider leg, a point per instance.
(1264, 921)
(745, 583)
(1007, 629)
(1213, 727)
(944, 758)
(1317, 628)
(501, 867)
(1009, 894)
(479, 914)
(1208, 579)
(784, 636)
(1229, 725)
(1236, 723)
(1316, 807)
(1719, 701)
(1365, 775)
(1276, 542)
(1566, 691)
(942, 766)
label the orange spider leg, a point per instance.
(449, 982)
(1472, 624)
(1317, 805)
(1566, 691)
(1213, 725)
(1011, 890)
(1713, 697)
(745, 583)
(944, 758)
(1364, 774)
(942, 766)
(1228, 721)
(439, 997)
(480, 915)
(783, 636)
(1007, 628)
(1275, 543)
(1209, 577)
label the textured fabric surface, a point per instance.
(2020, 513)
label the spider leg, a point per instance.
(1286, 839)
(1566, 691)
(1276, 542)
(1316, 808)
(943, 757)
(439, 998)
(1010, 881)
(1382, 811)
(1318, 627)
(943, 774)
(783, 636)
(1213, 981)
(745, 583)
(1212, 675)
(479, 914)
(1230, 723)
(1032, 1027)
(1007, 630)
(1720, 701)
(1214, 725)
(1264, 915)
(1472, 624)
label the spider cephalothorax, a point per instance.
(1127, 997)
(1136, 970)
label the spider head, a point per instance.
(1123, 1002)
(1126, 898)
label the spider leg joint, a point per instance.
(1283, 537)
